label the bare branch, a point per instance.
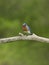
(24, 37)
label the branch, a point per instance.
(24, 37)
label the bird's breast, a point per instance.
(24, 28)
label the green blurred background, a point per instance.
(13, 13)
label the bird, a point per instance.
(26, 29)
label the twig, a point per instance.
(24, 37)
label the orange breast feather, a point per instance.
(24, 28)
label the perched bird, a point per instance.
(26, 29)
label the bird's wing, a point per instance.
(28, 28)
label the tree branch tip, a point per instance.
(21, 34)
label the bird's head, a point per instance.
(24, 24)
